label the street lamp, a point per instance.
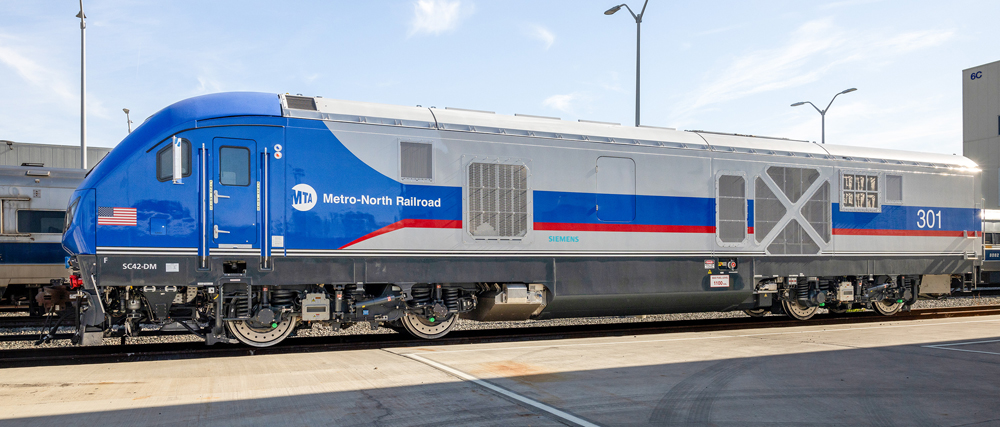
(83, 87)
(128, 119)
(822, 112)
(638, 27)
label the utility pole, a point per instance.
(83, 87)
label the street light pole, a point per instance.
(638, 39)
(83, 87)
(128, 120)
(822, 113)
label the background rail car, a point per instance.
(36, 181)
(286, 210)
(988, 271)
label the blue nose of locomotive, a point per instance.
(81, 222)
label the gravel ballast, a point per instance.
(465, 325)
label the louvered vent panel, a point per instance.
(793, 181)
(416, 160)
(300, 102)
(498, 200)
(793, 240)
(732, 209)
(768, 210)
(817, 211)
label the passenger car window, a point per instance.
(234, 166)
(165, 162)
(40, 221)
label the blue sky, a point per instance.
(727, 66)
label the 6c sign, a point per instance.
(977, 75)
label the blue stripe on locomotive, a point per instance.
(905, 218)
(581, 208)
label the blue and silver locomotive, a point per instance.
(242, 216)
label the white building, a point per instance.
(981, 126)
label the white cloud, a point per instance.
(543, 34)
(811, 53)
(562, 103)
(437, 16)
(38, 75)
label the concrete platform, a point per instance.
(934, 372)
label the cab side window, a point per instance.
(165, 162)
(234, 166)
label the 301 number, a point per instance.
(928, 218)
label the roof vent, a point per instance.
(37, 173)
(33, 165)
(466, 109)
(657, 127)
(536, 117)
(599, 123)
(300, 102)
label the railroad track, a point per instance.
(49, 356)
(27, 322)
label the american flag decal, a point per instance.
(115, 216)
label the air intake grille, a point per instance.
(732, 209)
(793, 181)
(498, 200)
(416, 160)
(793, 240)
(300, 102)
(817, 211)
(768, 210)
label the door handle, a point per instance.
(218, 196)
(216, 231)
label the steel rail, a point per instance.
(50, 356)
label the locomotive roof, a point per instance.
(188, 113)
(546, 127)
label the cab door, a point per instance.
(235, 193)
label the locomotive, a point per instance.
(241, 217)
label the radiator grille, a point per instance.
(767, 209)
(817, 211)
(793, 181)
(793, 240)
(498, 200)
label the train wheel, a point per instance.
(428, 327)
(798, 311)
(757, 312)
(262, 335)
(887, 307)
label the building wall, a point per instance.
(981, 126)
(53, 156)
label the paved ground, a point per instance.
(935, 372)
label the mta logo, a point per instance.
(303, 197)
